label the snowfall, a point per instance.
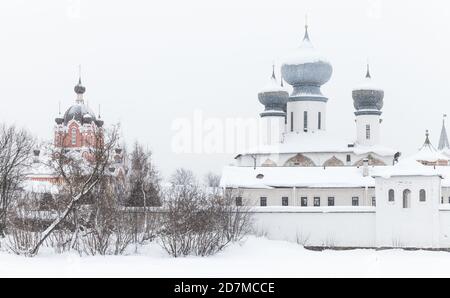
(255, 257)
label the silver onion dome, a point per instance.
(367, 98)
(306, 70)
(274, 97)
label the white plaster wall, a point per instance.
(444, 225)
(342, 196)
(417, 226)
(313, 108)
(329, 227)
(374, 122)
(273, 129)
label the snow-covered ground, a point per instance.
(256, 257)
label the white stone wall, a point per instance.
(342, 196)
(313, 108)
(352, 227)
(374, 123)
(416, 226)
(273, 128)
(324, 226)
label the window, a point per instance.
(74, 136)
(422, 195)
(391, 195)
(367, 132)
(319, 125)
(355, 201)
(305, 121)
(285, 201)
(263, 201)
(349, 158)
(238, 201)
(406, 199)
(374, 201)
(331, 201)
(304, 201)
(292, 121)
(316, 201)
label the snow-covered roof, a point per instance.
(408, 167)
(306, 53)
(40, 186)
(306, 177)
(428, 153)
(318, 142)
(273, 86)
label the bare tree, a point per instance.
(143, 179)
(198, 222)
(183, 177)
(80, 172)
(212, 180)
(15, 150)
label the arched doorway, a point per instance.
(406, 199)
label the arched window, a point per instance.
(391, 195)
(305, 121)
(367, 132)
(422, 195)
(406, 198)
(74, 136)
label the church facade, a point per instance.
(78, 130)
(303, 182)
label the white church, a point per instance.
(305, 185)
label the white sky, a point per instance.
(150, 62)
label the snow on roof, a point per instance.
(273, 86)
(40, 186)
(368, 84)
(307, 177)
(306, 53)
(317, 142)
(406, 167)
(428, 153)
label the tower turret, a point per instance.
(306, 70)
(274, 98)
(368, 102)
(443, 139)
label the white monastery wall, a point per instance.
(323, 226)
(342, 196)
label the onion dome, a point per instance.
(79, 111)
(306, 70)
(87, 118)
(99, 122)
(367, 98)
(79, 89)
(274, 98)
(59, 120)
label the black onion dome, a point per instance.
(99, 122)
(79, 89)
(78, 113)
(59, 120)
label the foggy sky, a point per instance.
(150, 62)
